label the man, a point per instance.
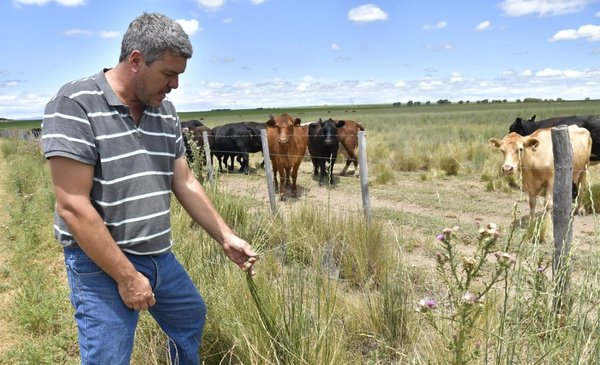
(116, 153)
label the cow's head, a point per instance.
(523, 127)
(328, 131)
(284, 124)
(513, 146)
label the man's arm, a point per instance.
(72, 182)
(195, 201)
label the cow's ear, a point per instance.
(532, 143)
(495, 142)
(297, 122)
(519, 120)
(340, 123)
(532, 119)
(270, 122)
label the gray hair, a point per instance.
(154, 34)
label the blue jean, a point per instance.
(107, 327)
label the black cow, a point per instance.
(192, 129)
(323, 146)
(589, 122)
(188, 124)
(236, 141)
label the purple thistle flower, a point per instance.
(427, 305)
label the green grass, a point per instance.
(331, 289)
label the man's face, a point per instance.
(156, 80)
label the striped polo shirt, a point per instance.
(133, 165)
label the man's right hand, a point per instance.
(137, 293)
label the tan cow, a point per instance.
(287, 146)
(532, 156)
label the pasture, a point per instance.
(331, 289)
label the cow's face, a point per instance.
(328, 131)
(512, 147)
(284, 124)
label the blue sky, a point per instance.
(278, 53)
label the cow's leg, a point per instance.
(322, 171)
(532, 203)
(294, 177)
(315, 163)
(275, 183)
(288, 183)
(330, 170)
(345, 169)
(581, 185)
(282, 183)
(244, 160)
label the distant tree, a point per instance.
(443, 101)
(460, 102)
(518, 100)
(428, 102)
(532, 100)
(397, 104)
(587, 99)
(409, 103)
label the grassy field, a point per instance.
(429, 281)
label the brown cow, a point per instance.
(532, 156)
(287, 146)
(349, 141)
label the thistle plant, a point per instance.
(467, 280)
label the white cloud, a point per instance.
(441, 47)
(44, 2)
(526, 73)
(77, 32)
(483, 26)
(109, 34)
(257, 2)
(554, 73)
(569, 84)
(303, 86)
(335, 46)
(211, 4)
(438, 25)
(589, 31)
(367, 13)
(456, 77)
(543, 7)
(189, 26)
(9, 83)
(71, 2)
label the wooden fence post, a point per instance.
(561, 213)
(209, 166)
(268, 170)
(364, 175)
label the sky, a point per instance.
(287, 53)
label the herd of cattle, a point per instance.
(528, 149)
(288, 142)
